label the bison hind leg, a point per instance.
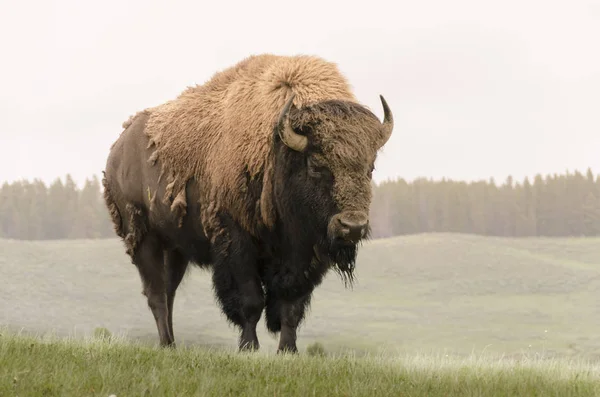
(176, 265)
(149, 260)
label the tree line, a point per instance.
(554, 205)
(62, 210)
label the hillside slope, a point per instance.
(439, 292)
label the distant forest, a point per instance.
(554, 205)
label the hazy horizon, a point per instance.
(477, 90)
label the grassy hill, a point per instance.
(440, 293)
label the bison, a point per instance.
(262, 174)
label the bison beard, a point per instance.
(343, 259)
(268, 189)
(340, 255)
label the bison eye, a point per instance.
(370, 172)
(315, 170)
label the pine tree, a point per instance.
(37, 210)
(7, 209)
(591, 215)
(87, 220)
(56, 221)
(71, 204)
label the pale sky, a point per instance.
(479, 89)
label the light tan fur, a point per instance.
(218, 131)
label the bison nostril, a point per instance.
(352, 231)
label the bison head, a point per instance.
(324, 159)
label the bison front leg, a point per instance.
(291, 316)
(149, 261)
(285, 317)
(237, 283)
(241, 299)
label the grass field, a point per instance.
(34, 367)
(437, 314)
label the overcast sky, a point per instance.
(479, 89)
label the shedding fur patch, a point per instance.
(179, 207)
(132, 118)
(153, 158)
(136, 231)
(152, 199)
(113, 210)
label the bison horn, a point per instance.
(388, 120)
(290, 138)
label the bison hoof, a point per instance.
(249, 346)
(287, 350)
(168, 345)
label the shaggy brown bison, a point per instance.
(262, 174)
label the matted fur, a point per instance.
(221, 133)
(137, 222)
(113, 211)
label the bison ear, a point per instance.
(285, 131)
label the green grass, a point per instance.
(52, 367)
